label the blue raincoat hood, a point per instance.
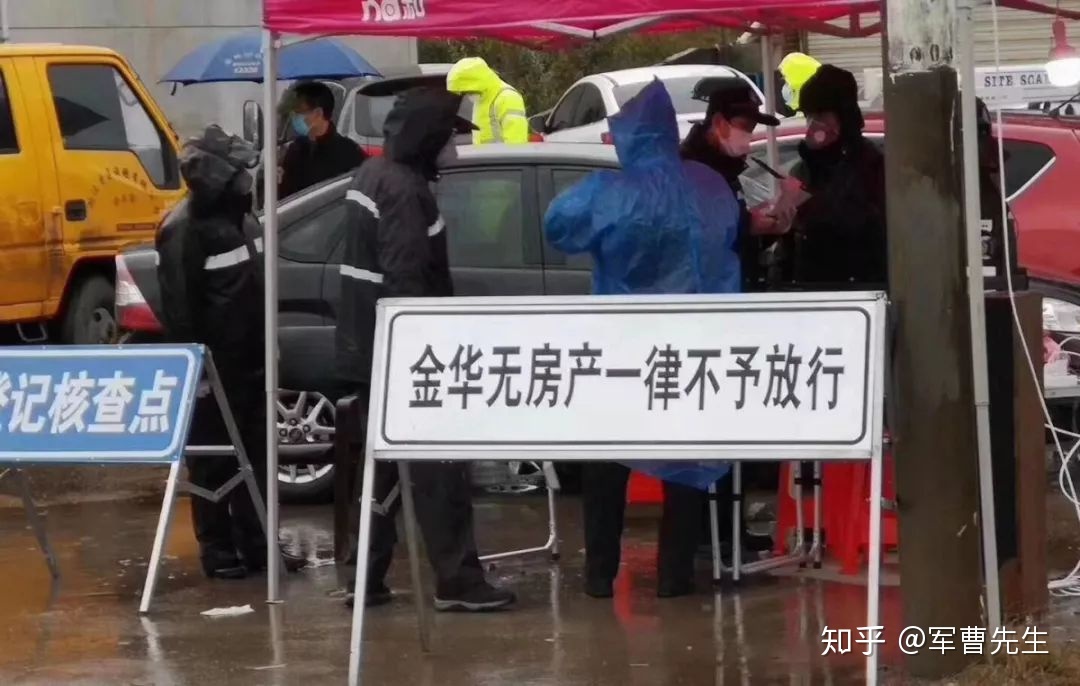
(645, 131)
(660, 225)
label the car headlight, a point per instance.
(1061, 316)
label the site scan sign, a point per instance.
(73, 404)
(777, 376)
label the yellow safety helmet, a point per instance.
(796, 68)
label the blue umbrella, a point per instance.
(239, 58)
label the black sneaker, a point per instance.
(257, 563)
(230, 572)
(482, 597)
(599, 588)
(674, 589)
(376, 596)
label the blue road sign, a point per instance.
(97, 403)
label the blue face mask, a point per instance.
(300, 125)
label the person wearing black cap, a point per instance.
(395, 248)
(722, 142)
(838, 238)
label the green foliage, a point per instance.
(543, 76)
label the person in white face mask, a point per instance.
(722, 142)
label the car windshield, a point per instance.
(680, 89)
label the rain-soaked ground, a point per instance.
(85, 630)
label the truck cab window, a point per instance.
(9, 144)
(98, 110)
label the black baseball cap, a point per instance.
(731, 97)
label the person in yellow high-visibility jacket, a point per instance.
(796, 68)
(498, 110)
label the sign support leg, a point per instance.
(873, 579)
(36, 524)
(736, 520)
(817, 546)
(363, 549)
(160, 538)
(409, 506)
(714, 535)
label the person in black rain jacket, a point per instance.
(396, 247)
(838, 239)
(211, 291)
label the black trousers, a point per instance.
(604, 500)
(231, 526)
(444, 512)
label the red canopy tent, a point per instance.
(552, 24)
(576, 19)
(525, 21)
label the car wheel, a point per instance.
(89, 318)
(305, 417)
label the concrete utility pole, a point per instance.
(933, 419)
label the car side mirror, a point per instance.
(253, 124)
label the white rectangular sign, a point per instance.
(779, 376)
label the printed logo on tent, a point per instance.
(393, 10)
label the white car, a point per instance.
(582, 112)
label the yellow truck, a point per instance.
(88, 167)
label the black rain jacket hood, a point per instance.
(419, 126)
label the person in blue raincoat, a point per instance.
(660, 225)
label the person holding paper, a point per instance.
(838, 238)
(722, 143)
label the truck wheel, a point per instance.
(89, 318)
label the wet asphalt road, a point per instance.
(85, 630)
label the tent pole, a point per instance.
(977, 310)
(768, 70)
(270, 262)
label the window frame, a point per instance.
(579, 108)
(531, 250)
(1038, 174)
(555, 259)
(329, 247)
(570, 101)
(11, 115)
(170, 158)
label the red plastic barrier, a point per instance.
(644, 490)
(845, 512)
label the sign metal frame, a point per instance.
(375, 449)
